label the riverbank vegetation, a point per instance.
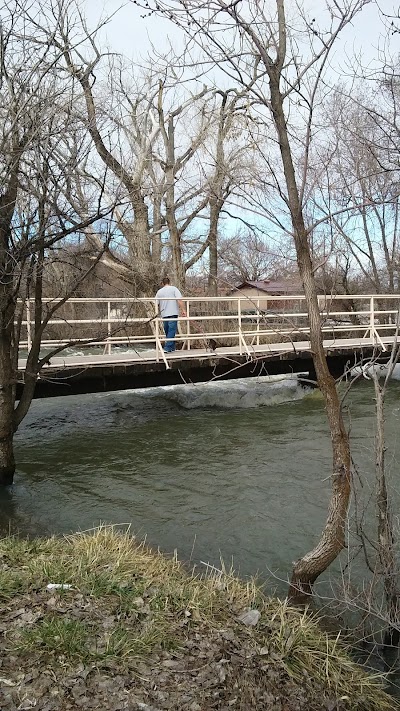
(117, 172)
(131, 629)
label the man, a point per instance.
(170, 304)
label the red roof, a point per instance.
(272, 287)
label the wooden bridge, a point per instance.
(115, 343)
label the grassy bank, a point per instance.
(135, 631)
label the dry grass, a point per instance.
(129, 602)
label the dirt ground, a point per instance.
(136, 632)
(211, 669)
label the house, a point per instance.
(257, 291)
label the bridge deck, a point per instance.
(150, 356)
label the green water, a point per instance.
(213, 473)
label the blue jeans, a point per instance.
(170, 327)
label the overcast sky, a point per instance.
(127, 32)
(132, 35)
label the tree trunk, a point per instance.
(332, 540)
(7, 383)
(386, 540)
(216, 200)
(215, 209)
(7, 314)
(178, 270)
(7, 461)
(7, 380)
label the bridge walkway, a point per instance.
(253, 352)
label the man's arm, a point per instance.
(180, 302)
(181, 307)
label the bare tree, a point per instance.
(281, 65)
(251, 256)
(134, 124)
(192, 166)
(369, 595)
(36, 101)
(358, 193)
(135, 227)
(229, 157)
(388, 568)
(181, 192)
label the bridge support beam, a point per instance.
(124, 376)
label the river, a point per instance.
(233, 470)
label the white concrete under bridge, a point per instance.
(118, 342)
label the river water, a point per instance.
(237, 470)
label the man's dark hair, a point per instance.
(165, 280)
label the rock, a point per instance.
(77, 691)
(27, 704)
(171, 664)
(250, 617)
(7, 682)
(228, 635)
(138, 602)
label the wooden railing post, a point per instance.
(240, 326)
(159, 348)
(374, 332)
(28, 324)
(188, 323)
(157, 336)
(109, 327)
(372, 317)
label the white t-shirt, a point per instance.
(168, 307)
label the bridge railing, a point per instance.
(106, 325)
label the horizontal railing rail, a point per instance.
(240, 322)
